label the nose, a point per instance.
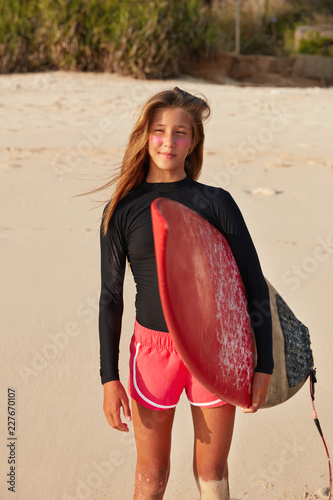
(169, 140)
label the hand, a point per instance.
(115, 397)
(260, 387)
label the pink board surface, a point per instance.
(203, 301)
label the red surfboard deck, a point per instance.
(203, 301)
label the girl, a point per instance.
(164, 158)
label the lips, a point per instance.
(167, 155)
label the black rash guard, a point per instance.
(130, 236)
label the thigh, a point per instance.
(152, 431)
(213, 429)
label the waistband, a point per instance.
(153, 338)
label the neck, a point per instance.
(165, 176)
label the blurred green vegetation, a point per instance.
(316, 44)
(150, 38)
(144, 39)
(268, 26)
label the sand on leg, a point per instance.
(152, 430)
(213, 429)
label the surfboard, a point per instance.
(203, 301)
(205, 308)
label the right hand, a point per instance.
(115, 397)
(260, 386)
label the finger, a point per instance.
(126, 409)
(255, 404)
(118, 424)
(115, 422)
(249, 410)
(122, 427)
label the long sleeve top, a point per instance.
(130, 236)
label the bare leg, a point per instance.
(213, 428)
(152, 431)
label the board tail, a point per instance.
(293, 359)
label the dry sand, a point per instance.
(61, 133)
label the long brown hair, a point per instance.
(135, 164)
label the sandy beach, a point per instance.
(61, 135)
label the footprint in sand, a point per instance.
(12, 149)
(319, 163)
(281, 164)
(323, 493)
(8, 167)
(264, 191)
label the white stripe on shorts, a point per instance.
(138, 390)
(205, 404)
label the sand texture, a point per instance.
(61, 134)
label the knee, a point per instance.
(152, 480)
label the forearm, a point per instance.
(110, 319)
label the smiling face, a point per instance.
(170, 138)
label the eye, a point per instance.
(158, 130)
(181, 133)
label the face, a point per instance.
(170, 139)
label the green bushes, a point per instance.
(316, 44)
(146, 39)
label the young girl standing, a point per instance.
(163, 158)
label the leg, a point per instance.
(213, 428)
(152, 431)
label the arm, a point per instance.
(113, 261)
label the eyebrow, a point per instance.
(163, 125)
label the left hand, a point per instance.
(260, 387)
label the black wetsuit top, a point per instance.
(130, 236)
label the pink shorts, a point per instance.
(158, 376)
